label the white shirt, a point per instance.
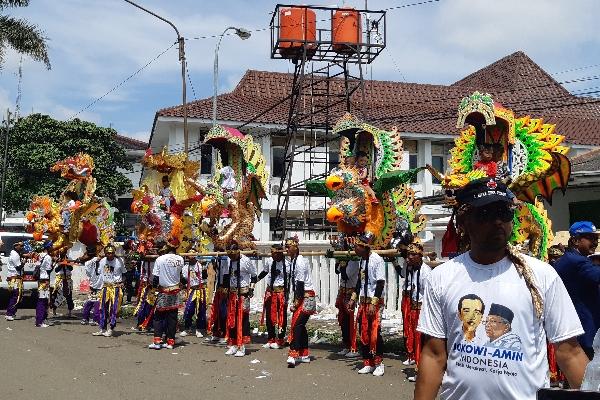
(478, 368)
(375, 272)
(14, 260)
(279, 266)
(45, 265)
(302, 273)
(222, 265)
(168, 269)
(118, 269)
(352, 272)
(247, 270)
(193, 274)
(417, 290)
(90, 270)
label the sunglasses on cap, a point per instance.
(493, 212)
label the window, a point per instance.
(412, 163)
(277, 164)
(438, 163)
(206, 159)
(584, 211)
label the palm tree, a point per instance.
(21, 35)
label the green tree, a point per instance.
(38, 141)
(21, 35)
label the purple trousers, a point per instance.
(109, 309)
(191, 306)
(87, 310)
(11, 309)
(41, 311)
(143, 313)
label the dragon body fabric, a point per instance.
(393, 216)
(533, 155)
(232, 199)
(79, 215)
(172, 214)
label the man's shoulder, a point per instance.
(448, 269)
(377, 258)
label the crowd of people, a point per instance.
(490, 323)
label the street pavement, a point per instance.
(65, 362)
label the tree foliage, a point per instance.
(38, 141)
(21, 35)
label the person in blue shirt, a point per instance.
(581, 278)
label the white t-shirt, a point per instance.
(168, 269)
(247, 270)
(113, 270)
(417, 290)
(14, 260)
(45, 265)
(222, 266)
(193, 274)
(509, 362)
(95, 278)
(302, 273)
(279, 266)
(352, 272)
(376, 272)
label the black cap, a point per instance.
(501, 311)
(481, 192)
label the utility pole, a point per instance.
(181, 42)
(4, 164)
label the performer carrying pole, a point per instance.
(303, 307)
(94, 274)
(217, 322)
(348, 271)
(370, 285)
(276, 270)
(166, 276)
(194, 274)
(241, 289)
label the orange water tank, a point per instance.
(346, 30)
(297, 26)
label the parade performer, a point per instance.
(94, 274)
(277, 274)
(418, 273)
(146, 298)
(112, 269)
(217, 323)
(43, 268)
(166, 276)
(14, 277)
(348, 271)
(194, 273)
(241, 289)
(370, 286)
(304, 304)
(63, 288)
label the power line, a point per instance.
(122, 82)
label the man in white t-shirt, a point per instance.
(14, 277)
(112, 269)
(487, 313)
(241, 288)
(166, 276)
(277, 274)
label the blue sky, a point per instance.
(95, 45)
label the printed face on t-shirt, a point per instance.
(495, 327)
(470, 313)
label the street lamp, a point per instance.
(181, 42)
(243, 34)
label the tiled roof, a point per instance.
(515, 81)
(131, 143)
(589, 161)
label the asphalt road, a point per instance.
(66, 362)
